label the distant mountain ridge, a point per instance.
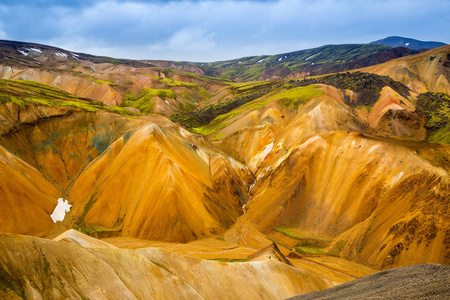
(398, 41)
(309, 62)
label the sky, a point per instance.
(207, 30)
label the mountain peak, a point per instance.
(398, 41)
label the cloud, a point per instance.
(188, 40)
(215, 30)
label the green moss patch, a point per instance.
(296, 96)
(24, 93)
(143, 99)
(436, 108)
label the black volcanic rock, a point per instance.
(427, 281)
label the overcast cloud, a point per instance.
(216, 30)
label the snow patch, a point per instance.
(60, 54)
(167, 102)
(407, 44)
(61, 208)
(261, 60)
(313, 55)
(35, 50)
(23, 52)
(74, 54)
(281, 58)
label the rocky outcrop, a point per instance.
(428, 281)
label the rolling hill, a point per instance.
(398, 41)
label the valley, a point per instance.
(212, 182)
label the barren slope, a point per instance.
(362, 193)
(427, 71)
(58, 270)
(26, 198)
(152, 184)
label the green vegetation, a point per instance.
(212, 118)
(297, 96)
(202, 116)
(251, 68)
(23, 93)
(143, 100)
(223, 110)
(367, 85)
(93, 229)
(308, 250)
(293, 233)
(241, 88)
(103, 81)
(306, 245)
(174, 83)
(436, 108)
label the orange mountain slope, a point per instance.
(427, 71)
(152, 184)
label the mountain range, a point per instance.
(234, 179)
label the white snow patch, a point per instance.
(261, 60)
(312, 64)
(281, 58)
(240, 62)
(407, 44)
(353, 143)
(35, 50)
(23, 52)
(61, 208)
(167, 102)
(60, 54)
(74, 54)
(312, 55)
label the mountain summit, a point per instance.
(398, 41)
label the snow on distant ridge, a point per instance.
(35, 50)
(60, 54)
(313, 55)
